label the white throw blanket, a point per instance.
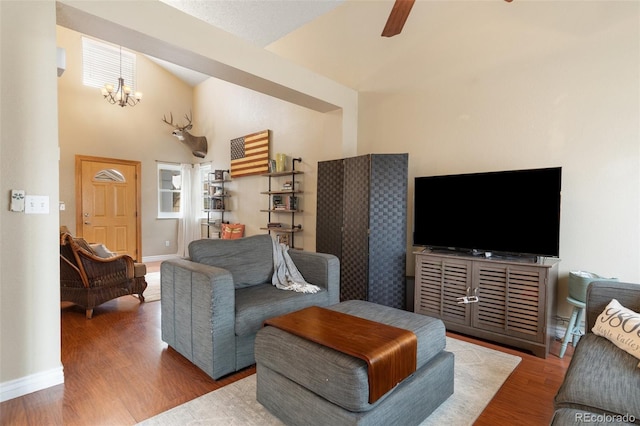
(285, 273)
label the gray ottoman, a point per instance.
(304, 383)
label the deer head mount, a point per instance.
(197, 144)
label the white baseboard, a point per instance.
(28, 384)
(159, 257)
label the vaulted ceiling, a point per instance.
(441, 39)
(257, 21)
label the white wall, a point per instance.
(29, 269)
(575, 105)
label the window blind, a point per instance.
(101, 65)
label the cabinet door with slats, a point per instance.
(509, 300)
(525, 307)
(439, 284)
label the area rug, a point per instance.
(152, 292)
(479, 373)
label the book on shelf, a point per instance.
(282, 202)
(277, 202)
(289, 185)
(283, 239)
(217, 191)
(274, 225)
(291, 203)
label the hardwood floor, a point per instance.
(119, 372)
(526, 398)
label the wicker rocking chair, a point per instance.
(89, 280)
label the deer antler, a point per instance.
(197, 144)
(164, 118)
(181, 128)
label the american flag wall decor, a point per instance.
(250, 154)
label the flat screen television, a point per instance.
(508, 212)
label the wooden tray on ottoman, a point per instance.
(390, 352)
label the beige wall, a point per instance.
(577, 108)
(221, 111)
(227, 111)
(196, 45)
(234, 61)
(29, 268)
(91, 126)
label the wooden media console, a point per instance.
(508, 301)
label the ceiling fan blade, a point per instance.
(397, 17)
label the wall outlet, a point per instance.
(167, 243)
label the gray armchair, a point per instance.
(214, 302)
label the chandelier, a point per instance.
(122, 94)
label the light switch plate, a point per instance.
(37, 204)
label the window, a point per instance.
(109, 175)
(101, 64)
(204, 201)
(169, 189)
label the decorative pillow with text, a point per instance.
(621, 326)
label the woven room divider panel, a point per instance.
(330, 207)
(362, 219)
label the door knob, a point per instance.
(87, 223)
